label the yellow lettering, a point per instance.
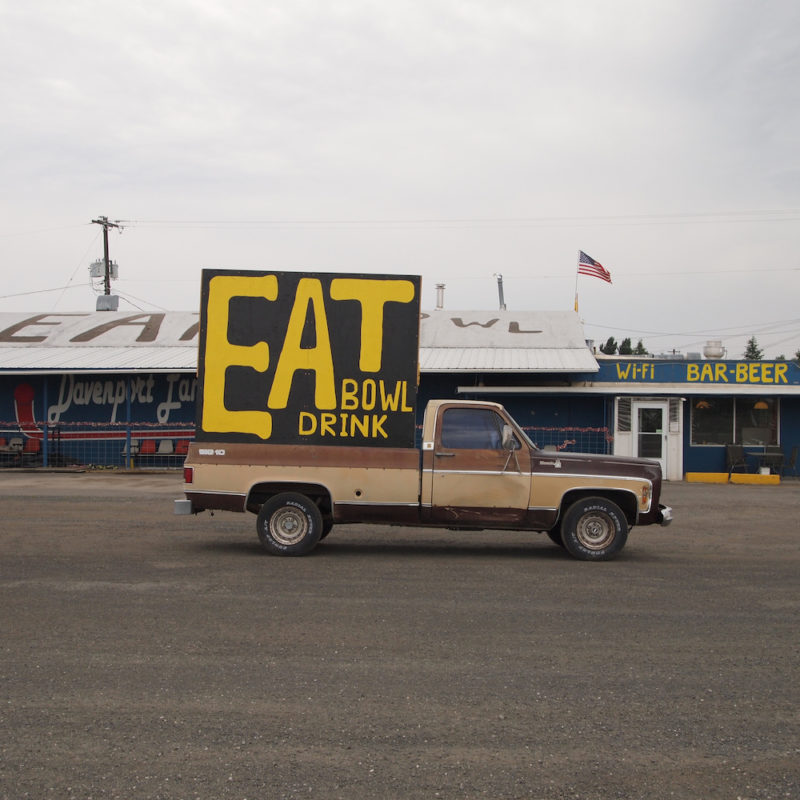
(741, 373)
(390, 402)
(405, 407)
(307, 423)
(720, 372)
(780, 373)
(766, 373)
(361, 423)
(317, 359)
(326, 423)
(349, 394)
(373, 296)
(342, 425)
(622, 374)
(706, 373)
(368, 394)
(692, 372)
(221, 354)
(377, 426)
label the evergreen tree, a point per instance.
(640, 349)
(610, 347)
(753, 352)
(626, 348)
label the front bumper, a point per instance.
(664, 515)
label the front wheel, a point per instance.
(594, 529)
(289, 524)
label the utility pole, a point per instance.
(106, 225)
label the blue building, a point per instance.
(118, 389)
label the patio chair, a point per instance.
(735, 457)
(790, 465)
(32, 451)
(773, 458)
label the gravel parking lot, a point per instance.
(145, 655)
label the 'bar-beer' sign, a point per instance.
(308, 358)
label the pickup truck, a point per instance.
(475, 469)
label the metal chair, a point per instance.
(773, 458)
(735, 457)
(791, 464)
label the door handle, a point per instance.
(445, 455)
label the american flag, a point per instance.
(588, 266)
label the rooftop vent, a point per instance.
(714, 349)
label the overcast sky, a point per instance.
(454, 139)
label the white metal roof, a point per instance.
(450, 341)
(503, 341)
(98, 341)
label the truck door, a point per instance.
(475, 480)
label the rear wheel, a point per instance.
(594, 529)
(289, 524)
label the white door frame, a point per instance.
(663, 405)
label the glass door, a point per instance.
(650, 432)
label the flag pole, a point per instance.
(576, 283)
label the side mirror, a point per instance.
(509, 441)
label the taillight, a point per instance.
(188, 474)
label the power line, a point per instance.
(77, 267)
(711, 217)
(39, 291)
(39, 230)
(753, 327)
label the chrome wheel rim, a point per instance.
(595, 530)
(288, 525)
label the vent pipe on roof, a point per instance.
(439, 296)
(500, 291)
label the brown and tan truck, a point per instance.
(476, 469)
(303, 464)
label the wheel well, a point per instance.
(625, 500)
(261, 492)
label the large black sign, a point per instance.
(308, 358)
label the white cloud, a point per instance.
(418, 111)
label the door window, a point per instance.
(651, 430)
(472, 429)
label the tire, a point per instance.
(289, 524)
(594, 529)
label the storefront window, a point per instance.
(712, 420)
(756, 421)
(749, 420)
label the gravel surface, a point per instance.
(144, 655)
